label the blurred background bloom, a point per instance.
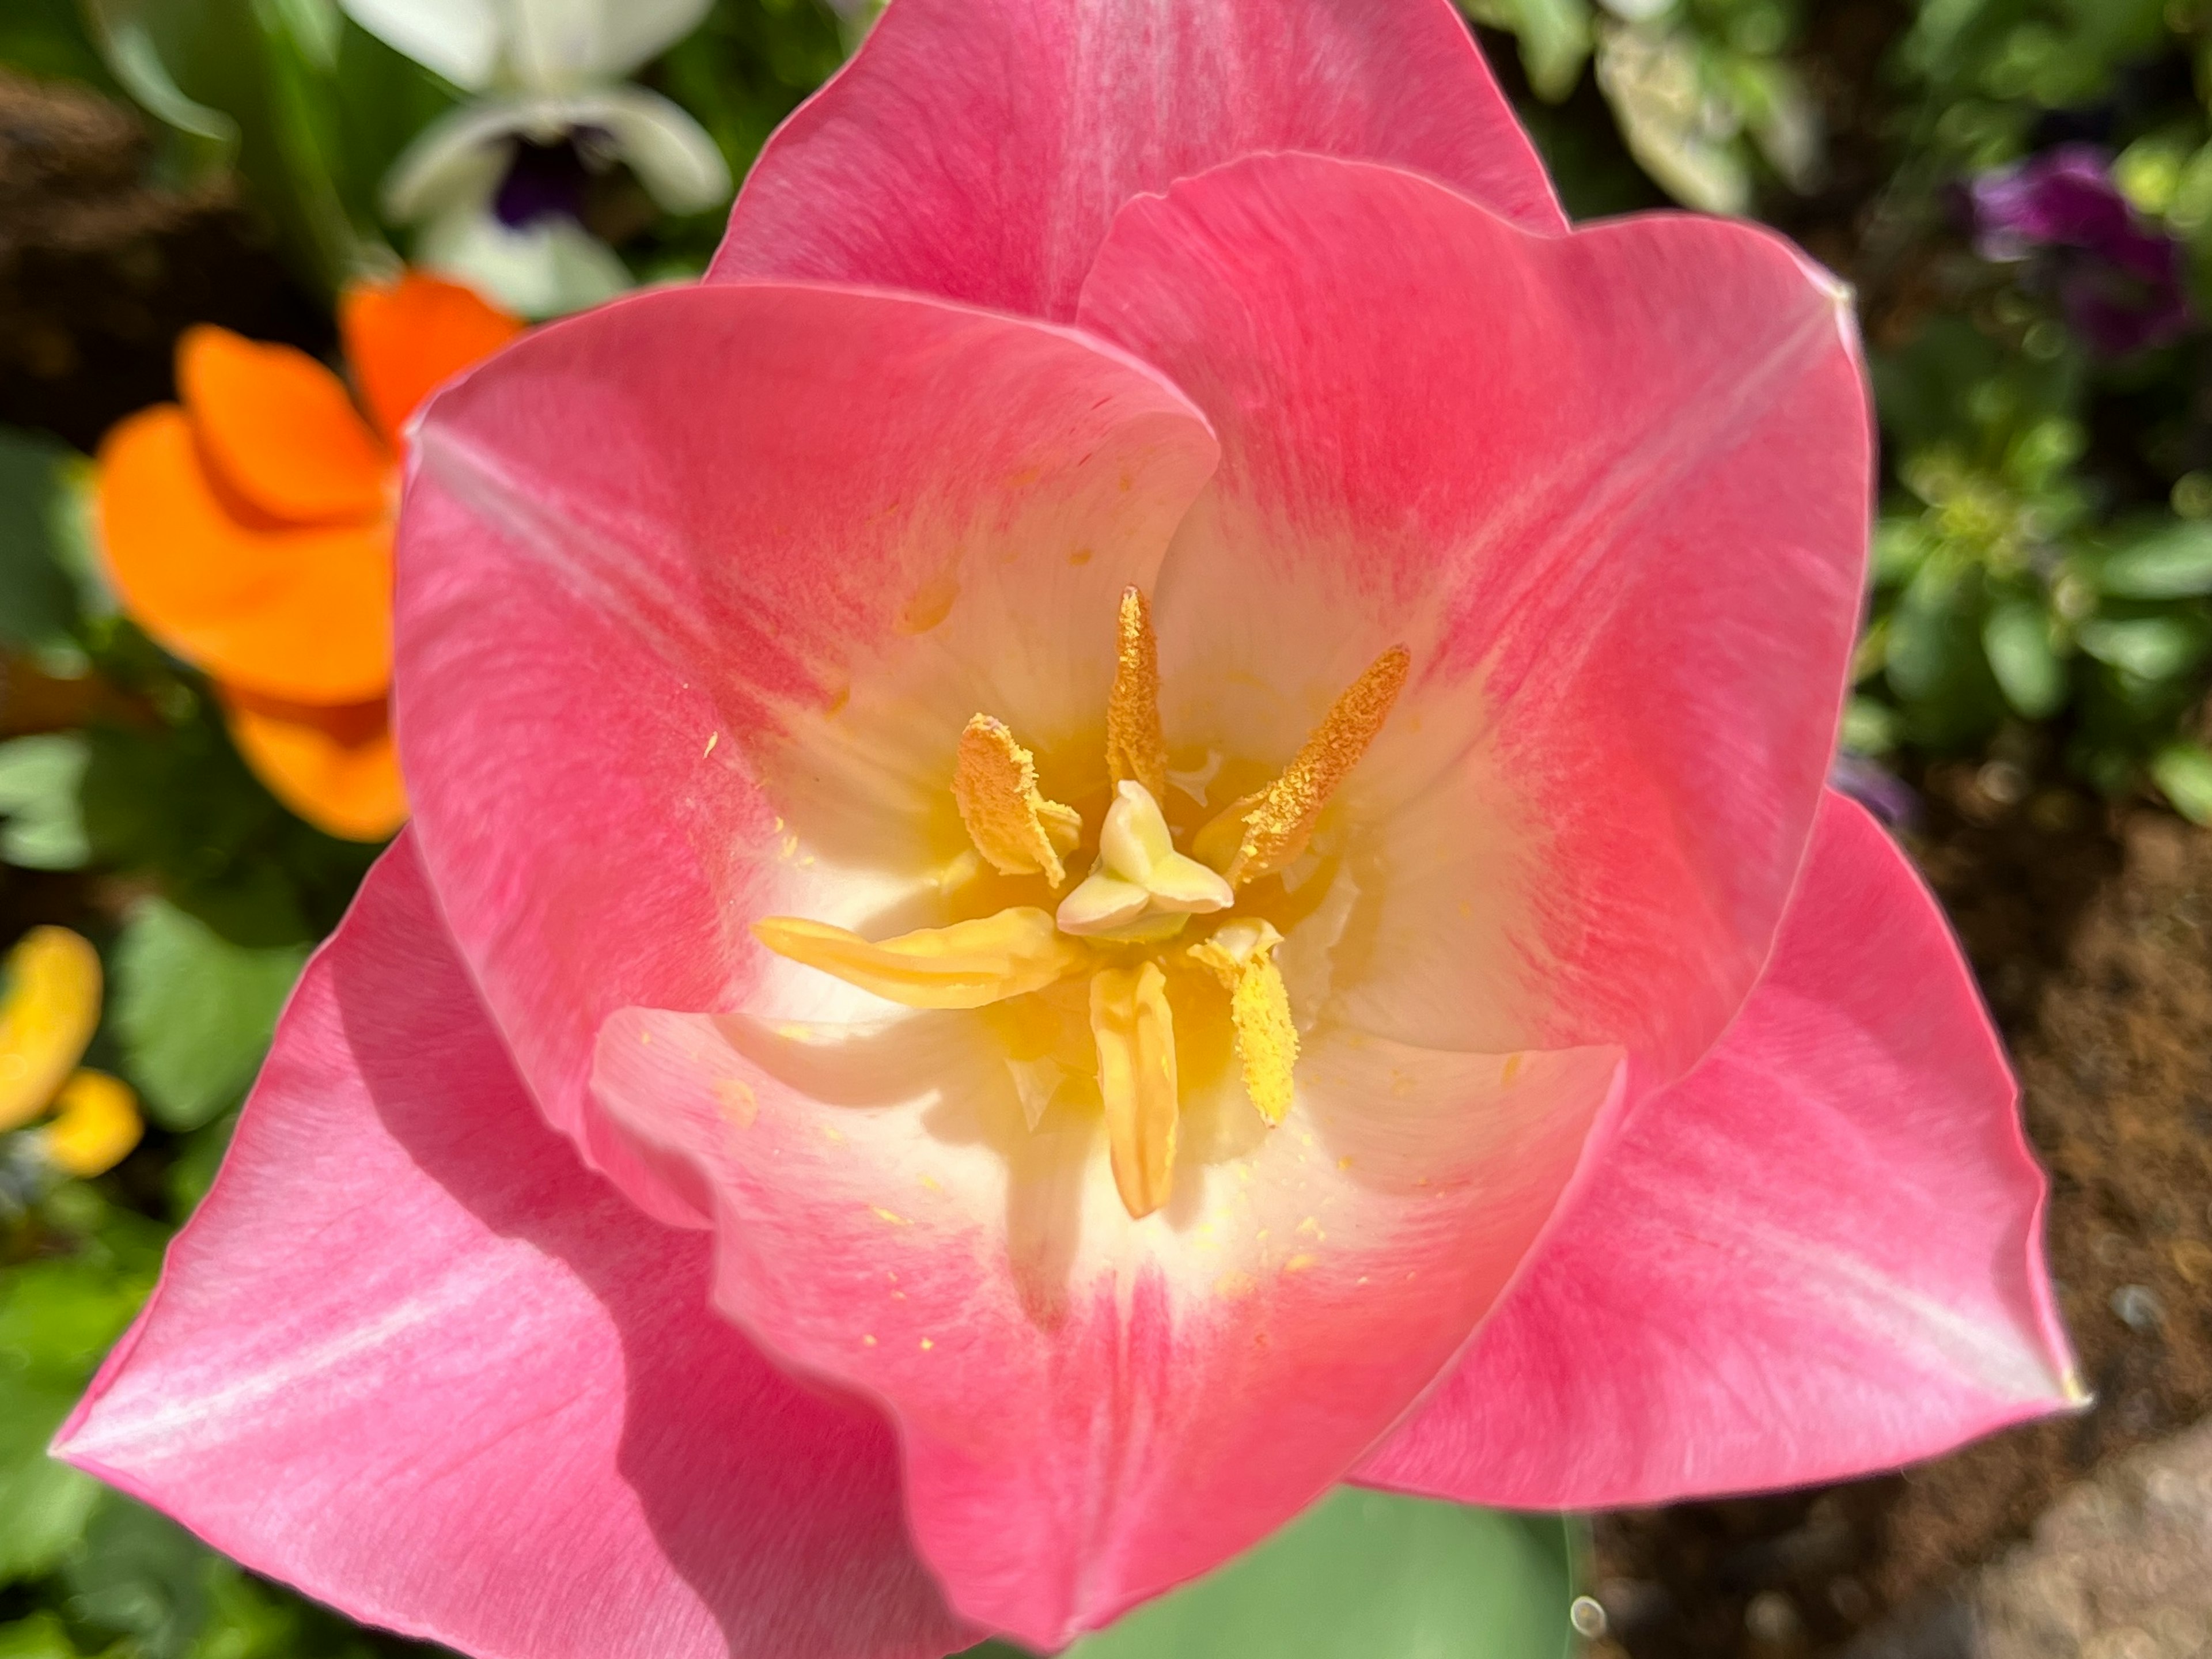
(499, 189)
(49, 1008)
(2122, 282)
(248, 529)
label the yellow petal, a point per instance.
(47, 1011)
(1135, 1034)
(967, 965)
(1241, 956)
(1272, 828)
(1136, 752)
(995, 785)
(95, 1125)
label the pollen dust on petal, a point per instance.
(931, 604)
(739, 1104)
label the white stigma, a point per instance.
(1142, 887)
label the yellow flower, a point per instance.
(48, 1005)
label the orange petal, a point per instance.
(402, 338)
(291, 612)
(280, 428)
(336, 768)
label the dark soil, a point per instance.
(2092, 934)
(101, 270)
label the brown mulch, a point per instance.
(101, 267)
(2092, 934)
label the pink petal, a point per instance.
(1610, 487)
(1818, 1254)
(695, 594)
(413, 1359)
(980, 148)
(1093, 1409)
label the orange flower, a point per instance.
(249, 531)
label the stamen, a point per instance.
(1139, 875)
(968, 965)
(1241, 956)
(994, 784)
(1261, 834)
(1136, 750)
(1135, 1034)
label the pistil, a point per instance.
(1141, 890)
(1141, 895)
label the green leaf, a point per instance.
(1554, 37)
(46, 38)
(48, 1503)
(1367, 1575)
(56, 1319)
(195, 1010)
(175, 803)
(1870, 728)
(59, 1316)
(2017, 637)
(2171, 564)
(2183, 772)
(2152, 647)
(142, 1576)
(38, 782)
(40, 1636)
(133, 54)
(38, 598)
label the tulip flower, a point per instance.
(248, 529)
(49, 1007)
(498, 185)
(1132, 824)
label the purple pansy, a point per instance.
(2120, 281)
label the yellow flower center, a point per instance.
(1148, 920)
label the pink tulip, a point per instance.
(1614, 1119)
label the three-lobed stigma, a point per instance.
(1143, 903)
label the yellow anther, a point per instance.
(1140, 878)
(1135, 1034)
(967, 965)
(1136, 751)
(1261, 834)
(1241, 956)
(96, 1123)
(47, 1011)
(994, 783)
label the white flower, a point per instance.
(548, 76)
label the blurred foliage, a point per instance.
(2043, 567)
(1703, 92)
(740, 74)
